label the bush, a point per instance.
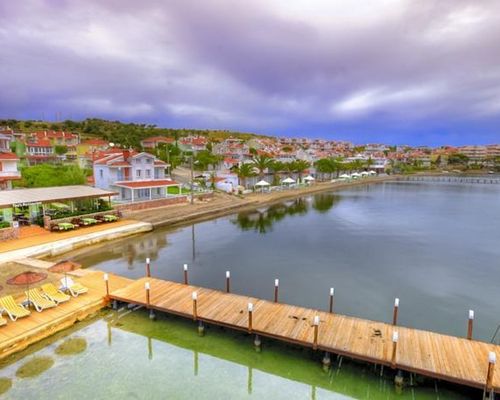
(4, 224)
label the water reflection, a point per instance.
(262, 220)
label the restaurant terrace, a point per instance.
(30, 206)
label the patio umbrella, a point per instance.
(355, 175)
(288, 181)
(27, 278)
(262, 184)
(309, 178)
(372, 173)
(364, 173)
(344, 176)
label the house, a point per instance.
(89, 150)
(39, 151)
(5, 140)
(153, 142)
(193, 143)
(136, 176)
(8, 169)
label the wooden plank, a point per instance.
(435, 355)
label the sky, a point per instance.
(421, 72)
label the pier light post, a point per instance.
(106, 281)
(195, 305)
(228, 281)
(492, 359)
(332, 294)
(147, 286)
(250, 312)
(395, 312)
(395, 339)
(185, 274)
(470, 325)
(148, 269)
(316, 326)
(276, 288)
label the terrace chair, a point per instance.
(39, 302)
(13, 310)
(51, 293)
(3, 321)
(75, 288)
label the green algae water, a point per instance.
(125, 355)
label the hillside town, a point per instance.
(221, 158)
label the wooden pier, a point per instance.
(485, 180)
(453, 359)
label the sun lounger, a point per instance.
(51, 293)
(75, 288)
(40, 303)
(3, 321)
(13, 310)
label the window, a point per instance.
(138, 173)
(148, 173)
(101, 173)
(148, 160)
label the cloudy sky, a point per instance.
(400, 71)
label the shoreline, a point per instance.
(224, 204)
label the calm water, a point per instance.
(433, 245)
(130, 357)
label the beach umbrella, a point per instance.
(27, 278)
(262, 184)
(288, 181)
(309, 178)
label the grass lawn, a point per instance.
(172, 190)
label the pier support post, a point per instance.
(185, 274)
(395, 312)
(326, 361)
(148, 268)
(106, 282)
(316, 326)
(492, 359)
(257, 344)
(250, 312)
(276, 288)
(228, 281)
(395, 339)
(147, 286)
(399, 382)
(201, 329)
(470, 325)
(194, 296)
(332, 294)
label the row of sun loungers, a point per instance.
(48, 296)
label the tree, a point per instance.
(45, 175)
(277, 167)
(300, 166)
(60, 149)
(244, 171)
(262, 162)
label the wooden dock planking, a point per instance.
(16, 336)
(431, 354)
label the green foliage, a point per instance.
(262, 162)
(60, 149)
(45, 175)
(458, 159)
(205, 159)
(243, 172)
(4, 224)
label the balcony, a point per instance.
(10, 174)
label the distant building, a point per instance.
(135, 176)
(39, 151)
(153, 142)
(8, 169)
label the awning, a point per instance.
(9, 198)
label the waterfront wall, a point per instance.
(69, 244)
(144, 205)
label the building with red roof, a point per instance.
(155, 141)
(136, 176)
(8, 170)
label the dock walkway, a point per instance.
(430, 354)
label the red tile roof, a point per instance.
(8, 156)
(146, 184)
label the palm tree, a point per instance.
(277, 167)
(300, 166)
(243, 172)
(262, 162)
